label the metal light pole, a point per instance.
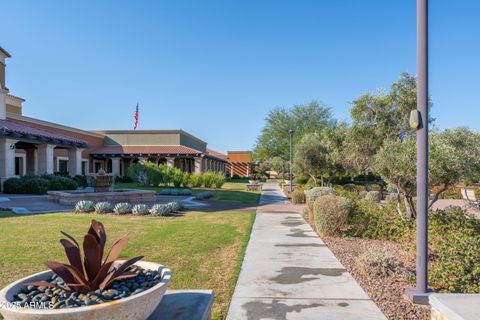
(290, 132)
(419, 294)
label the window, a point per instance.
(18, 166)
(63, 166)
(84, 167)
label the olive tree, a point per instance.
(311, 157)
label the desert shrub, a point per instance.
(84, 206)
(175, 206)
(160, 210)
(298, 196)
(373, 196)
(392, 198)
(204, 195)
(218, 180)
(331, 213)
(103, 207)
(81, 181)
(362, 194)
(350, 187)
(186, 192)
(14, 185)
(175, 192)
(305, 212)
(196, 180)
(454, 241)
(316, 192)
(186, 179)
(122, 208)
(378, 262)
(140, 209)
(208, 179)
(138, 173)
(377, 221)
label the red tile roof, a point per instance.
(217, 154)
(147, 150)
(17, 127)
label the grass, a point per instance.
(204, 250)
(234, 191)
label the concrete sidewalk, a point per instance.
(289, 273)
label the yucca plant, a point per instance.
(92, 272)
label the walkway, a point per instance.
(289, 273)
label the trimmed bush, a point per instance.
(103, 207)
(373, 196)
(331, 214)
(208, 179)
(122, 208)
(316, 192)
(175, 206)
(36, 186)
(204, 195)
(218, 180)
(165, 192)
(140, 209)
(84, 206)
(124, 179)
(196, 180)
(298, 196)
(175, 192)
(160, 210)
(186, 192)
(60, 183)
(81, 181)
(14, 185)
(378, 262)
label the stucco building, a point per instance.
(33, 146)
(240, 163)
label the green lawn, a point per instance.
(231, 191)
(204, 250)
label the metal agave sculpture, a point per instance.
(94, 272)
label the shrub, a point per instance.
(124, 179)
(196, 180)
(176, 177)
(139, 173)
(454, 240)
(36, 186)
(186, 192)
(103, 207)
(140, 209)
(316, 192)
(14, 185)
(81, 181)
(204, 195)
(208, 179)
(218, 180)
(392, 197)
(84, 206)
(331, 214)
(160, 210)
(175, 192)
(165, 192)
(298, 196)
(185, 179)
(373, 196)
(175, 206)
(56, 182)
(350, 187)
(122, 208)
(378, 262)
(362, 194)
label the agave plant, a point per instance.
(93, 272)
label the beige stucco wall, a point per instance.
(192, 143)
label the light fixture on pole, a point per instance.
(420, 293)
(291, 132)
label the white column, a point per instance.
(45, 158)
(198, 165)
(7, 158)
(75, 161)
(31, 167)
(3, 105)
(170, 162)
(116, 166)
(248, 170)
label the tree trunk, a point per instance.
(411, 212)
(321, 179)
(313, 177)
(437, 195)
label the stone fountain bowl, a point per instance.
(136, 307)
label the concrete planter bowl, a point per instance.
(137, 307)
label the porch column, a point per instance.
(231, 169)
(45, 158)
(7, 158)
(248, 169)
(198, 165)
(170, 162)
(75, 161)
(116, 166)
(31, 155)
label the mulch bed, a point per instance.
(387, 292)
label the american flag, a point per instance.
(135, 117)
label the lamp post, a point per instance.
(419, 294)
(290, 133)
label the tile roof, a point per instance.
(217, 154)
(174, 149)
(11, 126)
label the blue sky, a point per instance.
(215, 68)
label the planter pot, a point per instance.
(137, 307)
